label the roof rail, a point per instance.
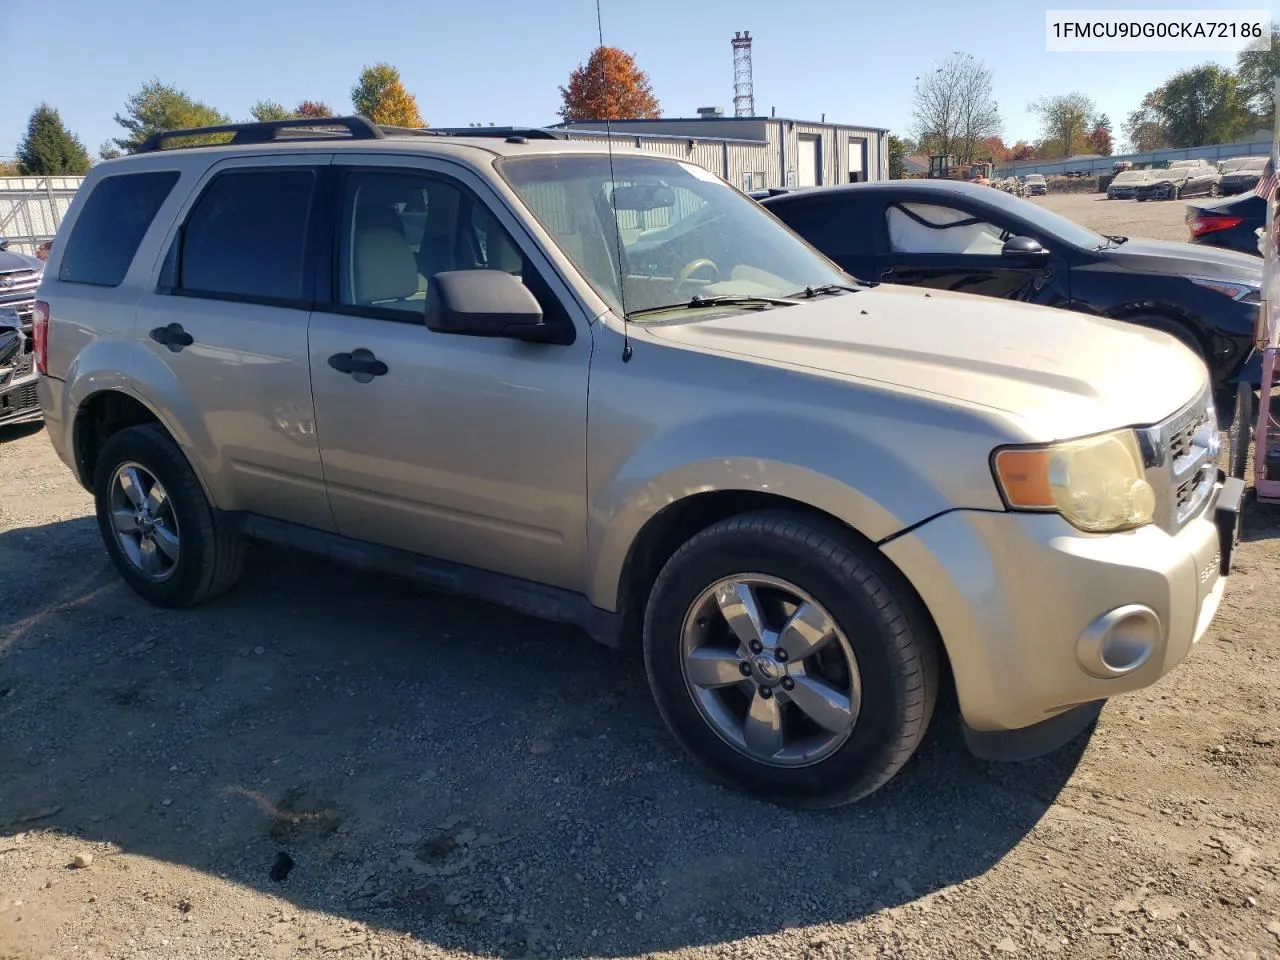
(266, 131)
(531, 133)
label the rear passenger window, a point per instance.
(245, 237)
(114, 220)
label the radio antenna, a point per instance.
(613, 189)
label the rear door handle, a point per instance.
(361, 364)
(172, 336)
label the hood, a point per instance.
(11, 260)
(1170, 176)
(1055, 373)
(1171, 258)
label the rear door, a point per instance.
(950, 245)
(225, 329)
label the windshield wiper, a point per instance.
(724, 300)
(825, 289)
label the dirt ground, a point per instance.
(327, 763)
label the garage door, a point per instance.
(808, 174)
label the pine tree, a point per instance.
(49, 148)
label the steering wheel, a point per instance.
(693, 266)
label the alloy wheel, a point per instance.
(144, 522)
(770, 670)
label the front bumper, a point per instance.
(1018, 599)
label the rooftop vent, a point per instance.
(709, 112)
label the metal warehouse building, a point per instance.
(754, 153)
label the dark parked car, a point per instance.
(1228, 222)
(1126, 183)
(1241, 174)
(954, 236)
(19, 277)
(1183, 178)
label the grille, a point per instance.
(1181, 463)
(18, 290)
(17, 401)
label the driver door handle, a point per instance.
(361, 364)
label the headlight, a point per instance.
(1244, 292)
(1096, 484)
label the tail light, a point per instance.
(1211, 223)
(40, 333)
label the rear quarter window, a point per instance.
(115, 218)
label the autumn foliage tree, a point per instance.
(609, 86)
(1022, 151)
(1099, 139)
(380, 96)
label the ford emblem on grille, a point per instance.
(7, 281)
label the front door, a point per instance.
(948, 247)
(225, 328)
(467, 449)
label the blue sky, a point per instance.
(502, 61)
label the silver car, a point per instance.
(611, 390)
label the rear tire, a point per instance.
(872, 617)
(146, 491)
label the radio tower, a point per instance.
(744, 98)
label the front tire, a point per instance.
(1241, 433)
(823, 723)
(159, 529)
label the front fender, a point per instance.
(861, 479)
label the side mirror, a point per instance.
(1024, 249)
(483, 303)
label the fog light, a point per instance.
(1119, 642)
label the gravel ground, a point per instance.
(1158, 219)
(330, 763)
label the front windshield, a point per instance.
(680, 231)
(1035, 178)
(1131, 176)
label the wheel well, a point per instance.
(98, 418)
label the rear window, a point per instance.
(114, 220)
(246, 235)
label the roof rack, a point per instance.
(267, 131)
(529, 133)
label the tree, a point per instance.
(158, 106)
(109, 151)
(380, 96)
(1144, 128)
(1064, 123)
(609, 86)
(313, 109)
(307, 109)
(265, 110)
(49, 149)
(1203, 105)
(1099, 139)
(897, 151)
(9, 168)
(1022, 151)
(1256, 75)
(994, 148)
(954, 108)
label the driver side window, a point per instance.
(931, 228)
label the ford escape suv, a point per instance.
(611, 390)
